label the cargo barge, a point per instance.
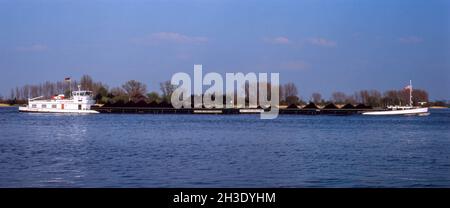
(310, 109)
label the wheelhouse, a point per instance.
(82, 93)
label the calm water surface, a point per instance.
(105, 150)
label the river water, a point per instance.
(126, 150)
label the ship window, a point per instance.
(53, 106)
(33, 106)
(44, 106)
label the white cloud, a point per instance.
(32, 48)
(277, 40)
(410, 40)
(318, 41)
(295, 65)
(170, 37)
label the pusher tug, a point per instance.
(80, 102)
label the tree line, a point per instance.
(131, 90)
(135, 91)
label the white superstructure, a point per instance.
(80, 102)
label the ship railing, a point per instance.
(35, 98)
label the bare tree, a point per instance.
(316, 97)
(369, 97)
(46, 89)
(167, 89)
(290, 90)
(87, 83)
(117, 91)
(338, 97)
(34, 91)
(60, 87)
(281, 95)
(363, 96)
(135, 90)
(49, 89)
(26, 91)
(12, 95)
(17, 93)
(374, 98)
(99, 89)
(391, 97)
(350, 99)
(118, 94)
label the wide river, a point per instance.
(125, 150)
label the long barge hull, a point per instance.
(144, 110)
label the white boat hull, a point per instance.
(40, 110)
(414, 111)
(79, 103)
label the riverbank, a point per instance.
(438, 107)
(4, 105)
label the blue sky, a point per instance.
(322, 46)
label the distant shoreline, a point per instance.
(4, 105)
(438, 107)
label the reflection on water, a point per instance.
(48, 149)
(51, 150)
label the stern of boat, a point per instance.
(23, 108)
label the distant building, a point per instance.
(422, 103)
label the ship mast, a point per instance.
(70, 88)
(67, 79)
(410, 93)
